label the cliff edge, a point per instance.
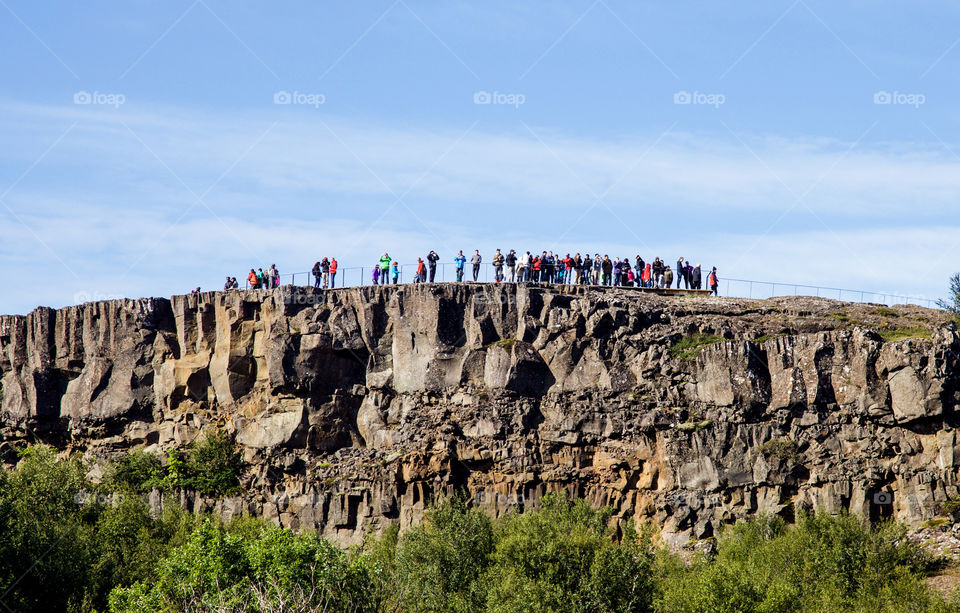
(354, 407)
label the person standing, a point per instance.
(316, 275)
(384, 268)
(714, 282)
(325, 269)
(697, 280)
(606, 267)
(523, 268)
(396, 273)
(475, 262)
(376, 273)
(333, 273)
(667, 277)
(421, 275)
(681, 271)
(498, 260)
(460, 261)
(511, 262)
(587, 274)
(432, 259)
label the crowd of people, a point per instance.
(513, 268)
(570, 270)
(257, 279)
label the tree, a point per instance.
(952, 304)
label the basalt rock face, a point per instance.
(355, 407)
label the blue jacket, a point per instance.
(460, 260)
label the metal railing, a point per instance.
(738, 288)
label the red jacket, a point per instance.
(333, 266)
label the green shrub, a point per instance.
(210, 466)
(780, 449)
(824, 563)
(138, 472)
(439, 563)
(563, 558)
(270, 570)
(689, 347)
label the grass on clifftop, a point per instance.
(898, 334)
(689, 347)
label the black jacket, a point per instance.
(432, 259)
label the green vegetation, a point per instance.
(67, 544)
(689, 347)
(885, 312)
(898, 334)
(823, 563)
(209, 466)
(952, 303)
(694, 426)
(506, 343)
(780, 449)
(768, 337)
(844, 318)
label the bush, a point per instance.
(273, 570)
(211, 466)
(563, 558)
(824, 563)
(138, 472)
(440, 562)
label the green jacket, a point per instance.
(385, 262)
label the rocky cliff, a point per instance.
(354, 407)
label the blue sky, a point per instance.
(144, 151)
